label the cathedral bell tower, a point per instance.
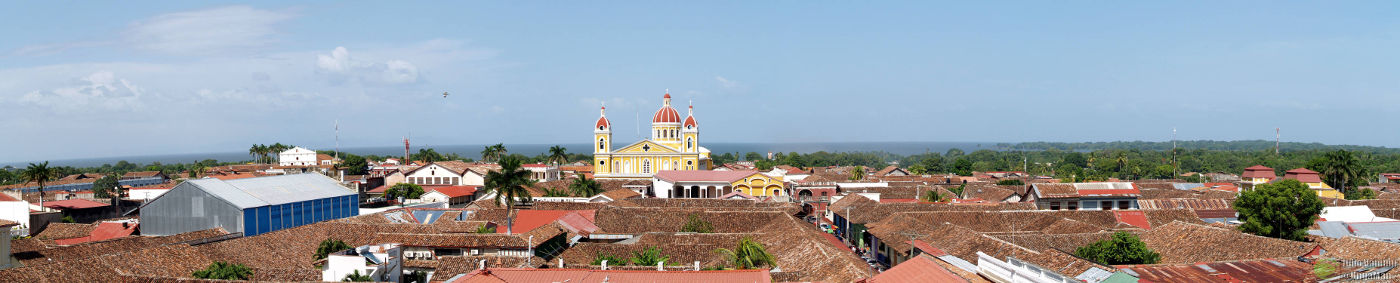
(602, 140)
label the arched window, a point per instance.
(689, 143)
(646, 166)
(600, 144)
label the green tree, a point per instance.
(918, 169)
(224, 271)
(493, 153)
(1338, 168)
(585, 187)
(612, 260)
(694, 224)
(1324, 268)
(962, 167)
(483, 229)
(857, 173)
(748, 255)
(1361, 194)
(933, 196)
(405, 190)
(648, 257)
(357, 277)
(558, 155)
(1284, 209)
(329, 246)
(68, 219)
(1123, 248)
(509, 185)
(417, 276)
(954, 153)
(106, 184)
(355, 165)
(958, 191)
(556, 193)
(40, 174)
(427, 155)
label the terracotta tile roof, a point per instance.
(526, 220)
(1265, 270)
(1303, 175)
(1353, 248)
(73, 204)
(1065, 242)
(864, 210)
(1180, 242)
(1171, 193)
(1184, 203)
(104, 231)
(887, 170)
(918, 269)
(964, 243)
(702, 175)
(34, 252)
(452, 191)
(455, 240)
(595, 276)
(56, 231)
(620, 194)
(142, 174)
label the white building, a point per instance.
(542, 172)
(443, 173)
(145, 193)
(382, 262)
(297, 156)
(16, 210)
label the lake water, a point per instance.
(474, 151)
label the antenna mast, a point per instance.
(1175, 172)
(1276, 138)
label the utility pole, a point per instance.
(1175, 172)
(1276, 139)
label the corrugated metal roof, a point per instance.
(274, 190)
(1387, 231)
(1333, 229)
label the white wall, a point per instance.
(146, 194)
(431, 172)
(297, 156)
(17, 211)
(1006, 272)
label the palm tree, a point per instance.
(254, 152)
(509, 184)
(1340, 165)
(748, 255)
(40, 174)
(585, 187)
(1122, 160)
(558, 155)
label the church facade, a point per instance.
(674, 145)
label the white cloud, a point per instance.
(99, 90)
(341, 67)
(205, 32)
(726, 83)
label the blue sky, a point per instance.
(96, 79)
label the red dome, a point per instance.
(602, 119)
(690, 122)
(603, 123)
(666, 115)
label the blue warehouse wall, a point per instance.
(266, 219)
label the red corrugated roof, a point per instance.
(918, 269)
(1303, 175)
(613, 276)
(104, 231)
(1132, 217)
(927, 248)
(73, 204)
(1258, 171)
(5, 197)
(452, 191)
(526, 220)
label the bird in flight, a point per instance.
(444, 94)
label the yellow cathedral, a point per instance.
(674, 145)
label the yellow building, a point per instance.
(674, 145)
(715, 184)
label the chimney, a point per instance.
(561, 262)
(697, 265)
(482, 265)
(605, 264)
(659, 265)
